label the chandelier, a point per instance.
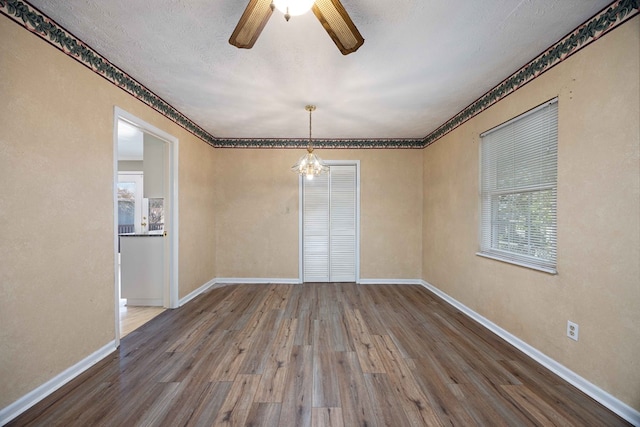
(310, 165)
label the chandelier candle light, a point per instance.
(310, 165)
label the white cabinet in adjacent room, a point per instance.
(142, 269)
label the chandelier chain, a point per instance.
(310, 109)
(310, 126)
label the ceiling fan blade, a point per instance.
(251, 23)
(335, 19)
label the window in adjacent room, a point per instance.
(518, 189)
(156, 214)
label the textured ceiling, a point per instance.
(422, 61)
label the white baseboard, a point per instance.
(606, 399)
(28, 400)
(251, 280)
(254, 280)
(296, 281)
(202, 289)
(390, 282)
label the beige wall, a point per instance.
(419, 214)
(257, 213)
(598, 281)
(56, 211)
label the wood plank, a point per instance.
(326, 417)
(304, 331)
(272, 382)
(327, 297)
(296, 402)
(264, 415)
(445, 403)
(316, 354)
(256, 358)
(367, 354)
(542, 412)
(341, 338)
(357, 408)
(192, 402)
(491, 398)
(277, 297)
(387, 409)
(227, 368)
(194, 334)
(564, 399)
(413, 401)
(133, 411)
(583, 408)
(208, 406)
(326, 392)
(235, 408)
(370, 309)
(245, 304)
(159, 407)
(67, 406)
(322, 336)
(483, 409)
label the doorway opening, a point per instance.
(145, 222)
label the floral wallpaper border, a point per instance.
(609, 18)
(35, 21)
(38, 23)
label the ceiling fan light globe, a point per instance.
(293, 7)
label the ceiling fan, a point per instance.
(330, 13)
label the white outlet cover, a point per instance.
(572, 330)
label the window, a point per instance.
(129, 202)
(156, 214)
(518, 189)
(137, 215)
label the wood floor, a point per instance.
(132, 317)
(316, 355)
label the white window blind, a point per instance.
(519, 189)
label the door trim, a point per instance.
(170, 299)
(301, 219)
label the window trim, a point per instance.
(492, 255)
(503, 255)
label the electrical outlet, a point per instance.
(572, 330)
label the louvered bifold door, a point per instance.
(316, 229)
(342, 224)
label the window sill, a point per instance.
(518, 263)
